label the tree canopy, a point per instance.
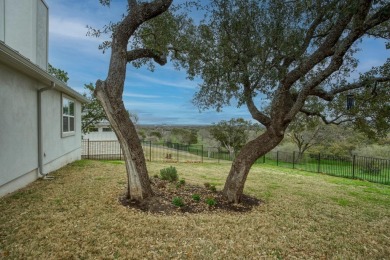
(296, 56)
(281, 58)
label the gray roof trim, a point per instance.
(14, 59)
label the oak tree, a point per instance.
(232, 134)
(281, 58)
(127, 46)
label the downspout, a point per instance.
(40, 135)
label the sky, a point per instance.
(163, 96)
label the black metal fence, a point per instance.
(355, 167)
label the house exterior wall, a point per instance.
(24, 27)
(66, 149)
(2, 21)
(19, 130)
(101, 135)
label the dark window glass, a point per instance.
(71, 128)
(65, 124)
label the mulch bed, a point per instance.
(166, 191)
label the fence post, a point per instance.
(120, 152)
(150, 151)
(353, 166)
(202, 153)
(219, 153)
(293, 159)
(177, 152)
(319, 162)
(88, 150)
(277, 158)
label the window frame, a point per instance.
(68, 115)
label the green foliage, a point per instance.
(156, 134)
(178, 202)
(169, 174)
(196, 197)
(272, 56)
(185, 136)
(211, 202)
(182, 182)
(232, 134)
(58, 73)
(92, 112)
(210, 187)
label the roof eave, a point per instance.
(14, 59)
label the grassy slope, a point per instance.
(304, 215)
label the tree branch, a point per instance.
(323, 51)
(381, 16)
(256, 114)
(339, 50)
(323, 117)
(330, 95)
(157, 56)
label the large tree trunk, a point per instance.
(247, 156)
(139, 186)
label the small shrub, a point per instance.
(210, 187)
(213, 188)
(211, 202)
(169, 174)
(155, 176)
(178, 202)
(180, 183)
(196, 197)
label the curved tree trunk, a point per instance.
(139, 186)
(247, 156)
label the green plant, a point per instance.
(210, 186)
(178, 202)
(155, 176)
(213, 188)
(210, 201)
(196, 197)
(169, 174)
(182, 182)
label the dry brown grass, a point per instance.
(77, 216)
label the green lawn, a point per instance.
(304, 215)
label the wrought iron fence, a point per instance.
(356, 167)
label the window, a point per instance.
(107, 129)
(68, 107)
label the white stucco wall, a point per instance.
(100, 136)
(2, 17)
(18, 128)
(42, 33)
(25, 28)
(65, 149)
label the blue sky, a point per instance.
(160, 97)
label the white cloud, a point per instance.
(153, 106)
(129, 94)
(177, 84)
(68, 28)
